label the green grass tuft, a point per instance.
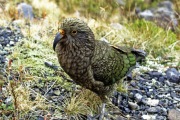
(155, 40)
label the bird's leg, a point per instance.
(105, 99)
(112, 109)
(99, 86)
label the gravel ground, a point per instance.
(8, 37)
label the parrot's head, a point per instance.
(74, 32)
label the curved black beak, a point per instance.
(56, 40)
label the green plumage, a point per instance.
(110, 63)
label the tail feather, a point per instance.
(140, 55)
(140, 58)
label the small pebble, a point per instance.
(173, 114)
(155, 74)
(173, 75)
(152, 110)
(149, 117)
(132, 105)
(138, 97)
(151, 102)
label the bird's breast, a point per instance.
(74, 62)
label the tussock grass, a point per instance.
(80, 104)
(23, 101)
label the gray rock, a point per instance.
(163, 15)
(168, 83)
(8, 100)
(177, 88)
(147, 14)
(160, 117)
(119, 99)
(51, 65)
(164, 111)
(133, 105)
(3, 52)
(149, 117)
(173, 75)
(25, 10)
(48, 64)
(11, 43)
(176, 99)
(137, 10)
(173, 94)
(133, 83)
(152, 110)
(151, 102)
(40, 118)
(138, 97)
(161, 79)
(166, 4)
(155, 74)
(173, 114)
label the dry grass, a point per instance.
(23, 101)
(83, 103)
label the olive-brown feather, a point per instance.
(92, 64)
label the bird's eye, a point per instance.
(74, 32)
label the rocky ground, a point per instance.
(163, 15)
(9, 35)
(151, 95)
